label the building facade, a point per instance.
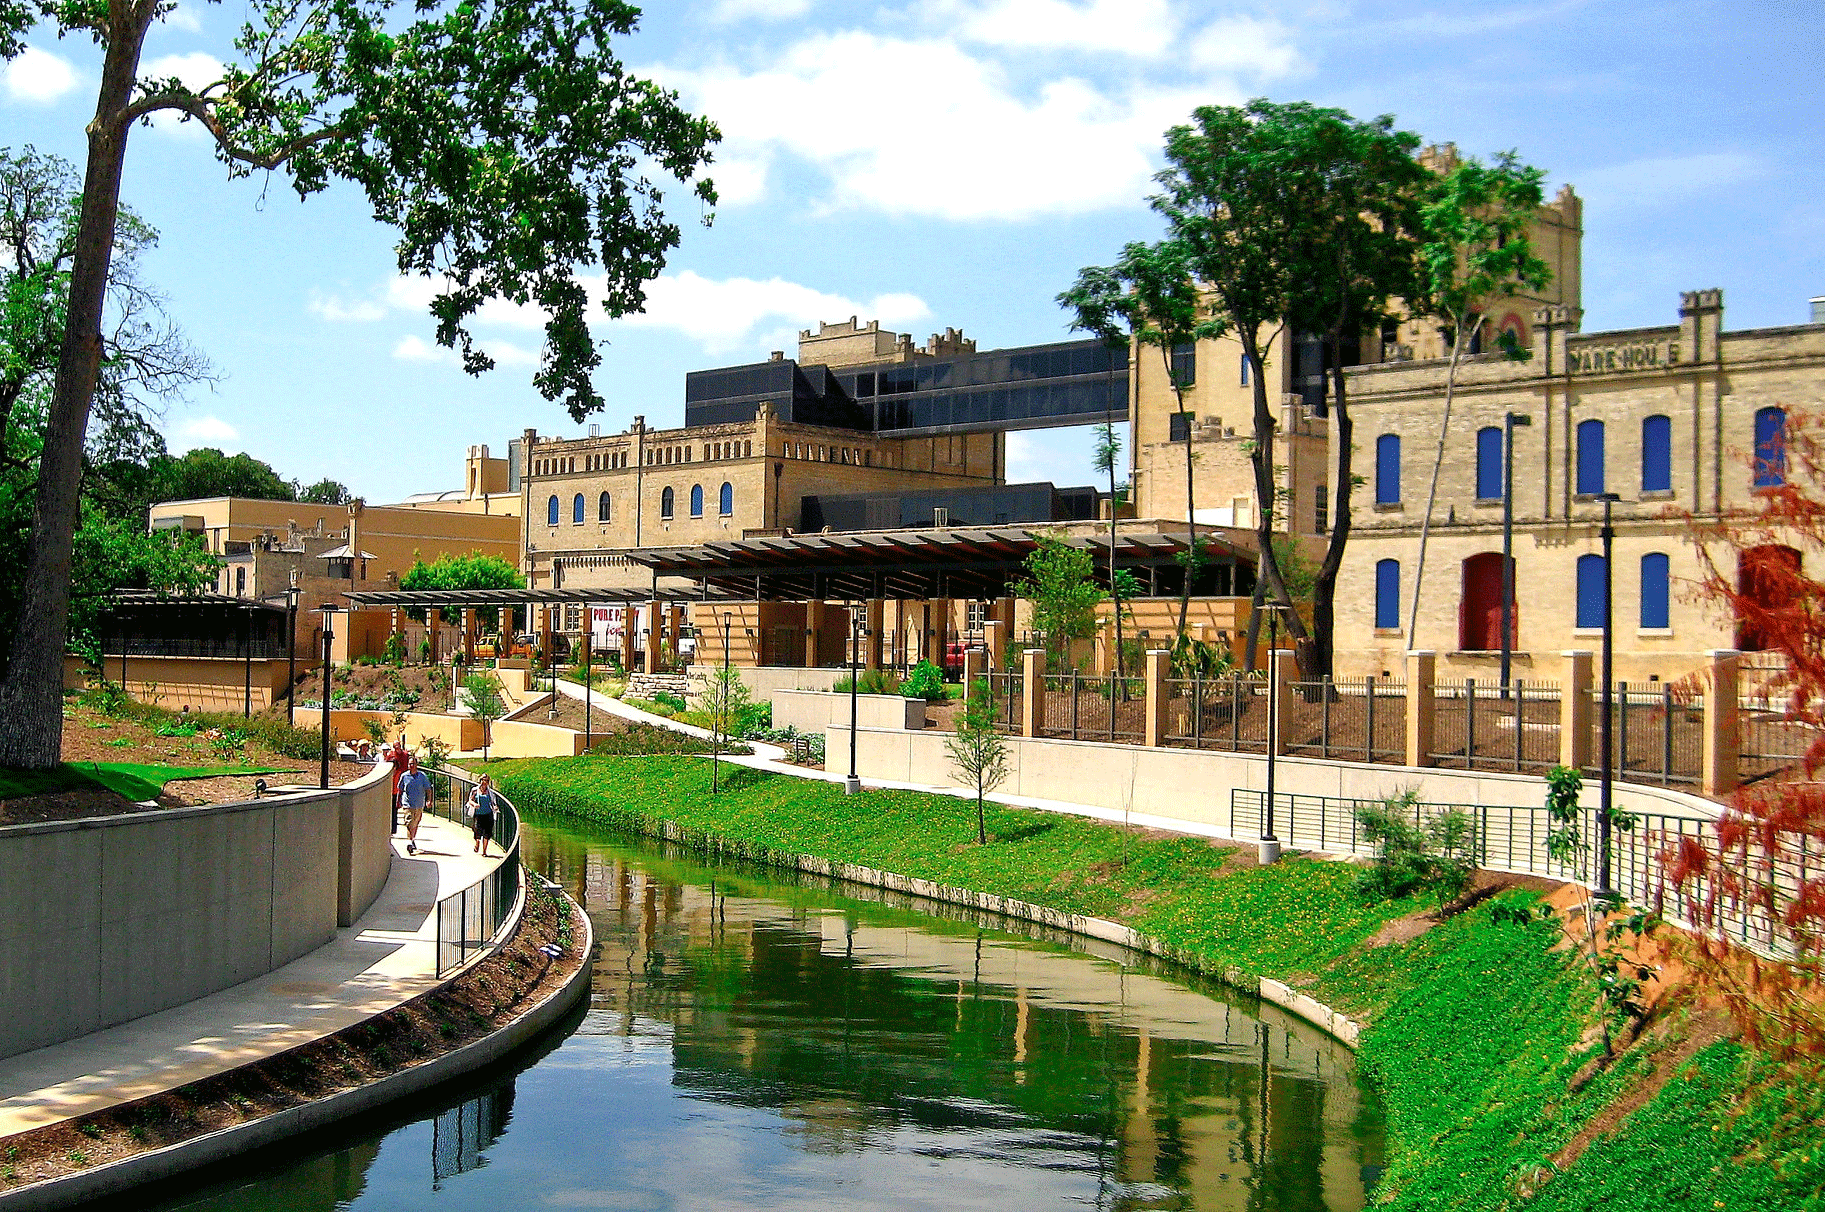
(1683, 422)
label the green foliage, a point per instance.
(924, 681)
(1297, 572)
(109, 698)
(670, 701)
(1475, 221)
(1437, 858)
(1061, 585)
(802, 748)
(1148, 296)
(394, 651)
(872, 681)
(325, 492)
(977, 750)
(376, 729)
(650, 739)
(471, 571)
(1195, 658)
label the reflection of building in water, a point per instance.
(858, 1025)
(459, 1134)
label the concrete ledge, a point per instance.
(1344, 1030)
(112, 1179)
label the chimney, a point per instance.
(778, 355)
(595, 431)
(1818, 309)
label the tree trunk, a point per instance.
(1262, 458)
(1115, 593)
(1438, 461)
(1324, 589)
(1191, 502)
(31, 691)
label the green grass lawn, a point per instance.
(1474, 1028)
(134, 780)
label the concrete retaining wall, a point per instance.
(457, 731)
(518, 739)
(1193, 786)
(763, 680)
(107, 919)
(813, 711)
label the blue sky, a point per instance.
(954, 162)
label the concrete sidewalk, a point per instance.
(385, 959)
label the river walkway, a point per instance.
(385, 959)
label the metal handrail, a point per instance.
(469, 919)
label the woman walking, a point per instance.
(481, 811)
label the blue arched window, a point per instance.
(1590, 458)
(1656, 454)
(551, 511)
(1654, 612)
(728, 499)
(697, 500)
(576, 510)
(1590, 591)
(1770, 447)
(1387, 594)
(1387, 469)
(1488, 463)
(602, 508)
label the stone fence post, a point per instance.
(1723, 722)
(1422, 706)
(995, 640)
(1575, 711)
(1281, 671)
(1032, 691)
(974, 666)
(1158, 665)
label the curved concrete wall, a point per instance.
(107, 919)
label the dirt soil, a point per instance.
(570, 715)
(1483, 885)
(496, 991)
(373, 681)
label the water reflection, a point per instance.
(758, 1042)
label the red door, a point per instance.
(1767, 580)
(1480, 608)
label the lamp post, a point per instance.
(720, 702)
(291, 642)
(328, 611)
(853, 783)
(1269, 846)
(1510, 422)
(1608, 754)
(589, 632)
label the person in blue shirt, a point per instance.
(481, 812)
(414, 791)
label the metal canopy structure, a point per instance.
(478, 598)
(908, 564)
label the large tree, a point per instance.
(1236, 194)
(1357, 253)
(504, 139)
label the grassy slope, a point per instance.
(135, 780)
(1475, 1026)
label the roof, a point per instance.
(343, 553)
(147, 598)
(955, 562)
(514, 597)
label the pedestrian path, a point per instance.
(385, 959)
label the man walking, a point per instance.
(414, 790)
(399, 756)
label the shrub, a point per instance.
(873, 681)
(109, 698)
(638, 740)
(672, 701)
(1436, 857)
(925, 681)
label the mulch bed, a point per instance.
(495, 992)
(570, 715)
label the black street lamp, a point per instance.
(719, 717)
(328, 610)
(1510, 422)
(291, 643)
(1606, 777)
(853, 783)
(1269, 847)
(589, 633)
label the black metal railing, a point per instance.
(1218, 713)
(469, 919)
(1005, 690)
(1352, 719)
(1092, 708)
(1771, 739)
(1488, 726)
(1658, 734)
(194, 646)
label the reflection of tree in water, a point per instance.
(771, 999)
(459, 1134)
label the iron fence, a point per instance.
(1488, 726)
(1005, 691)
(1355, 719)
(1512, 838)
(469, 919)
(1772, 740)
(1091, 708)
(1658, 734)
(1218, 713)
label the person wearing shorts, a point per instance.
(481, 812)
(414, 791)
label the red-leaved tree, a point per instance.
(1760, 875)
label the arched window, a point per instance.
(1654, 611)
(1387, 594)
(1590, 591)
(240, 582)
(1387, 469)
(1480, 608)
(1770, 447)
(1590, 458)
(1656, 454)
(1489, 463)
(666, 502)
(602, 508)
(551, 511)
(576, 510)
(728, 499)
(697, 500)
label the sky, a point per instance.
(954, 163)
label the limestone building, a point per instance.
(1682, 421)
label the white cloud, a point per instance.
(184, 17)
(1143, 28)
(417, 349)
(1250, 46)
(931, 130)
(1660, 180)
(729, 11)
(200, 430)
(37, 75)
(329, 307)
(413, 348)
(734, 313)
(196, 69)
